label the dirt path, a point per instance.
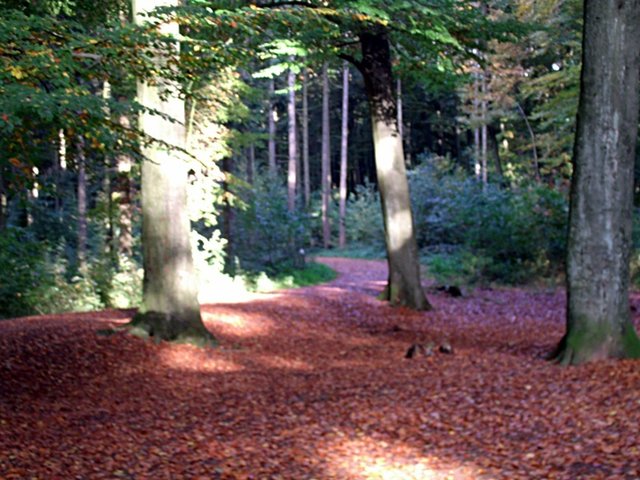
(313, 383)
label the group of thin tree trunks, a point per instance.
(598, 319)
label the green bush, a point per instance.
(514, 234)
(266, 236)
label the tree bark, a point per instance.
(344, 143)
(272, 129)
(404, 285)
(305, 138)
(81, 163)
(292, 173)
(124, 195)
(326, 160)
(170, 308)
(599, 248)
(483, 128)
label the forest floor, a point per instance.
(314, 383)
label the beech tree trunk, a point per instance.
(292, 173)
(326, 160)
(344, 144)
(170, 308)
(599, 248)
(404, 285)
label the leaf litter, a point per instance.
(314, 384)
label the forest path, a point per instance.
(313, 383)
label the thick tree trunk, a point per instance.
(344, 144)
(326, 160)
(170, 308)
(81, 198)
(404, 285)
(599, 248)
(305, 138)
(271, 142)
(292, 174)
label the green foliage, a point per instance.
(266, 236)
(364, 217)
(513, 235)
(310, 274)
(458, 267)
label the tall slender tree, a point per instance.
(170, 308)
(305, 138)
(271, 128)
(598, 315)
(81, 165)
(292, 170)
(344, 144)
(326, 159)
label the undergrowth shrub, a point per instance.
(36, 278)
(266, 236)
(488, 233)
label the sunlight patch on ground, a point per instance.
(368, 458)
(238, 325)
(188, 358)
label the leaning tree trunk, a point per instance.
(598, 317)
(404, 286)
(170, 308)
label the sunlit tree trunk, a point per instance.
(81, 164)
(110, 244)
(170, 308)
(404, 284)
(326, 160)
(600, 224)
(344, 143)
(292, 173)
(271, 142)
(124, 195)
(305, 138)
(399, 101)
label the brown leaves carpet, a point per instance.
(313, 383)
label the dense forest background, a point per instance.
(281, 161)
